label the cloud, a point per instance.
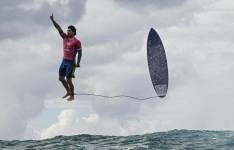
(21, 95)
(27, 17)
(66, 119)
(141, 4)
(69, 123)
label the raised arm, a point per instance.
(56, 25)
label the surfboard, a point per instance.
(157, 63)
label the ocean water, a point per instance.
(171, 140)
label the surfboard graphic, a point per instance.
(157, 63)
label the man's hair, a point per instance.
(72, 28)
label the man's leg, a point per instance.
(66, 86)
(71, 87)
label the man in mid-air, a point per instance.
(71, 45)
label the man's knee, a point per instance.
(69, 80)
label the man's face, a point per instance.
(70, 33)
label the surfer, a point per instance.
(71, 45)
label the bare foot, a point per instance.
(66, 95)
(71, 98)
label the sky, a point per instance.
(198, 39)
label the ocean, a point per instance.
(171, 140)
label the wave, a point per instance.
(174, 139)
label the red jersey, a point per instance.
(70, 47)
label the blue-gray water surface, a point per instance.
(171, 140)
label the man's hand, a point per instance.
(52, 17)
